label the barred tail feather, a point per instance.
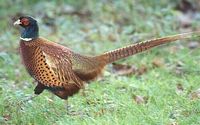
(120, 53)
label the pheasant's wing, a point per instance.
(59, 66)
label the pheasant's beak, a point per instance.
(18, 22)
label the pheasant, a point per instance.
(64, 72)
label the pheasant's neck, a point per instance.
(30, 33)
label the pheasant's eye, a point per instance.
(25, 21)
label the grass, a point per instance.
(96, 27)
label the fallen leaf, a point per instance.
(185, 6)
(93, 101)
(112, 37)
(195, 94)
(158, 62)
(7, 117)
(142, 70)
(179, 88)
(193, 45)
(100, 112)
(85, 29)
(185, 20)
(140, 99)
(186, 113)
(121, 69)
(173, 123)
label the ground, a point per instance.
(160, 86)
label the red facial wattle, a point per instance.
(25, 21)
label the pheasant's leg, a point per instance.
(39, 88)
(28, 99)
(83, 91)
(67, 107)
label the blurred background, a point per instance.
(156, 87)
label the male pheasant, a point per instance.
(64, 72)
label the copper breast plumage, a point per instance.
(47, 68)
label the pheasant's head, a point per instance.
(29, 26)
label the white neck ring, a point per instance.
(26, 39)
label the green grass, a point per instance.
(102, 26)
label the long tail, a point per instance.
(124, 52)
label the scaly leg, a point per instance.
(30, 98)
(38, 90)
(67, 107)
